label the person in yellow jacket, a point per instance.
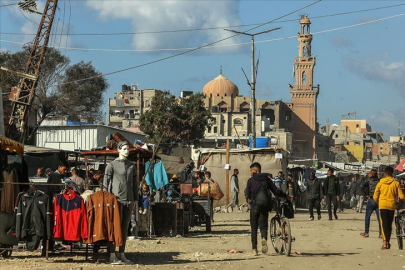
(385, 195)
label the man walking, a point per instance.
(360, 192)
(235, 191)
(259, 217)
(314, 195)
(331, 191)
(371, 206)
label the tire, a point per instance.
(399, 232)
(275, 235)
(207, 223)
(286, 236)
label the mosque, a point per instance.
(292, 126)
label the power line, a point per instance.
(210, 28)
(217, 46)
(6, 5)
(188, 51)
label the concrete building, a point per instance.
(356, 125)
(128, 104)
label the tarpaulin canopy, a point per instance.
(400, 166)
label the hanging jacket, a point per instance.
(9, 191)
(156, 177)
(104, 223)
(386, 193)
(69, 217)
(33, 216)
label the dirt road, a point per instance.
(320, 244)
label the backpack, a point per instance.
(262, 200)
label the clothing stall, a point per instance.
(13, 179)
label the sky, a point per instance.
(359, 48)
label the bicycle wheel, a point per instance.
(275, 234)
(286, 236)
(399, 231)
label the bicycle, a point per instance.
(280, 230)
(400, 227)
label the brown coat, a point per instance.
(104, 218)
(9, 191)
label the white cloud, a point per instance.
(386, 121)
(378, 69)
(171, 15)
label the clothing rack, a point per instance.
(2, 250)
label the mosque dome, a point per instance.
(220, 86)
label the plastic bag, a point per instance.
(353, 202)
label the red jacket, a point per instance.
(69, 214)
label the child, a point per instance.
(144, 199)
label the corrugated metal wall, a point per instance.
(79, 137)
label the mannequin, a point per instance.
(120, 179)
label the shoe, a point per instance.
(59, 247)
(264, 246)
(140, 211)
(116, 262)
(311, 218)
(330, 218)
(255, 253)
(319, 217)
(336, 217)
(364, 234)
(144, 211)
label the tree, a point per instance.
(54, 94)
(82, 99)
(170, 120)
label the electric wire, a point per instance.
(63, 22)
(223, 45)
(188, 51)
(70, 16)
(6, 5)
(214, 28)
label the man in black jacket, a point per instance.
(259, 218)
(371, 206)
(56, 178)
(331, 193)
(314, 195)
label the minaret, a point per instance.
(304, 94)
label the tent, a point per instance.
(272, 161)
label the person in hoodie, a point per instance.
(314, 195)
(259, 219)
(385, 195)
(371, 206)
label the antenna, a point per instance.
(247, 79)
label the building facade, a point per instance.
(128, 104)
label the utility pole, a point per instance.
(252, 84)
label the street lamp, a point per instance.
(253, 82)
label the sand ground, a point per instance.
(319, 244)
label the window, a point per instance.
(215, 129)
(237, 122)
(357, 125)
(209, 129)
(304, 77)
